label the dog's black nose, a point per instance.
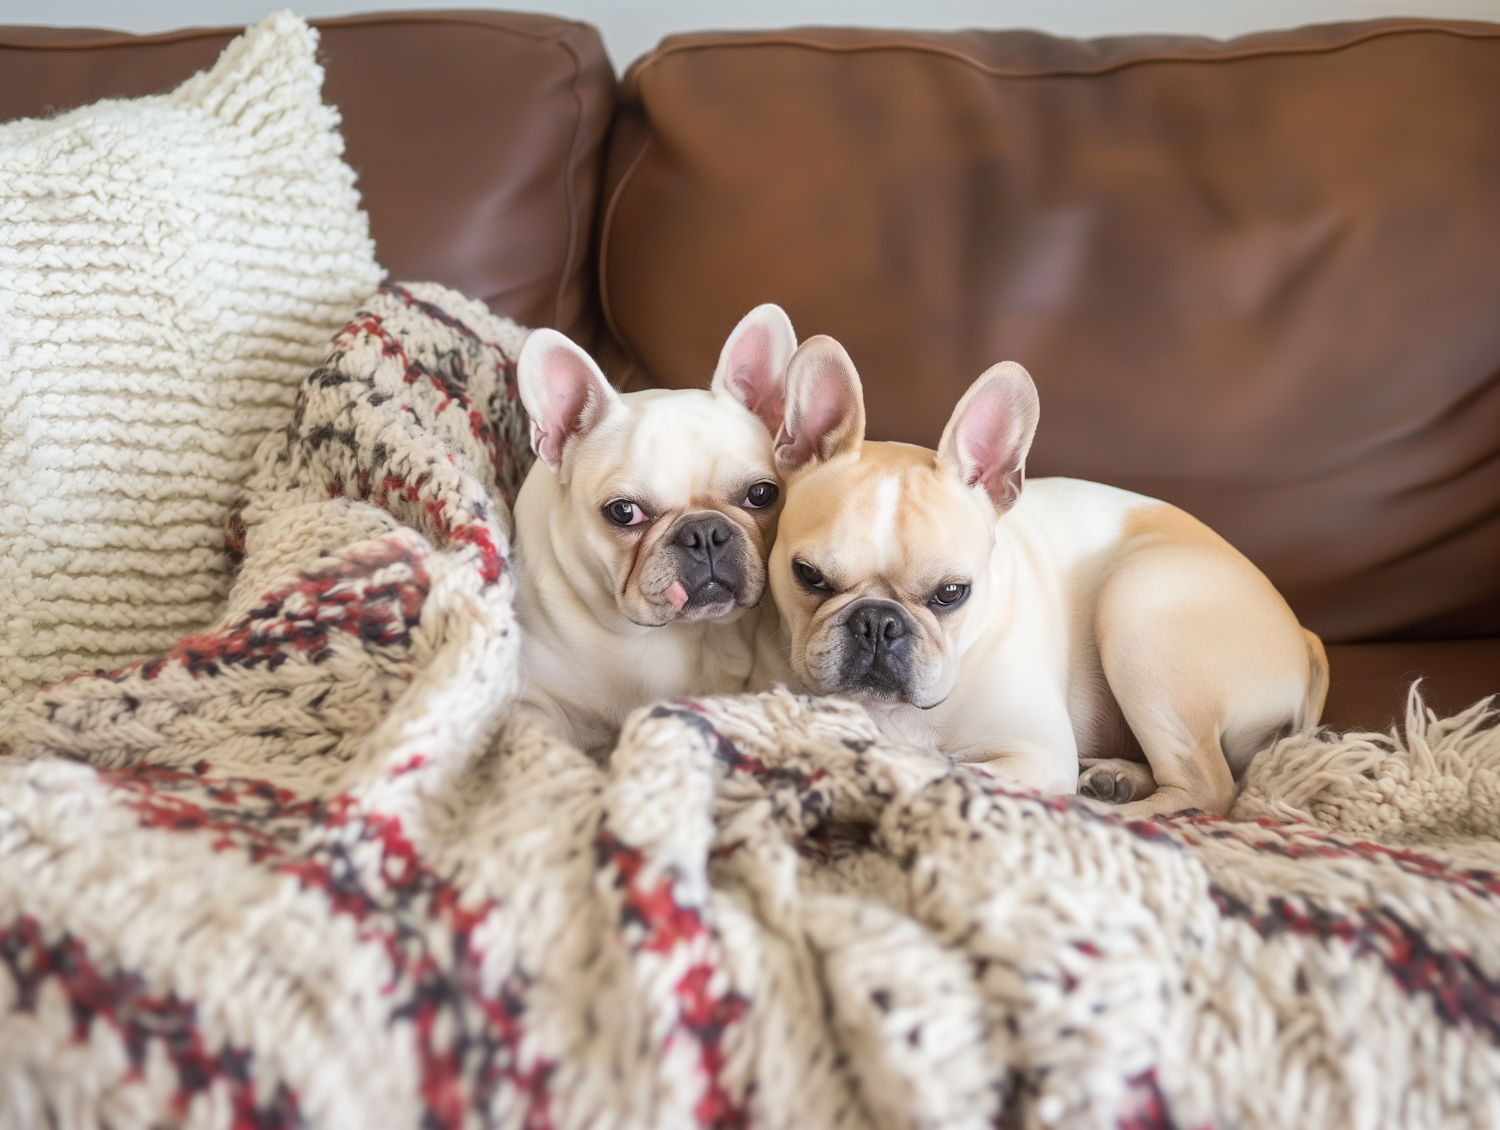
(877, 658)
(704, 537)
(876, 625)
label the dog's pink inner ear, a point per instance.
(752, 365)
(574, 400)
(567, 403)
(819, 416)
(991, 434)
(826, 413)
(756, 376)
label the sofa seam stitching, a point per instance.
(110, 39)
(647, 61)
(606, 228)
(570, 176)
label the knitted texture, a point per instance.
(303, 869)
(170, 268)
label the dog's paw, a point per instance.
(1105, 784)
(1114, 780)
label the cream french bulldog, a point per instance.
(1036, 633)
(642, 529)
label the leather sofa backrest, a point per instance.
(477, 136)
(1259, 279)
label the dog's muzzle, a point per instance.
(709, 563)
(876, 656)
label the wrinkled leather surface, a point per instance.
(1368, 681)
(1258, 279)
(477, 136)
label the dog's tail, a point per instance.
(1317, 682)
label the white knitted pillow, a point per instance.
(170, 269)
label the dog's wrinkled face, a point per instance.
(875, 566)
(881, 567)
(670, 496)
(676, 499)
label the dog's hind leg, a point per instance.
(1114, 779)
(1203, 658)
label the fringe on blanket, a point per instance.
(1437, 782)
(302, 870)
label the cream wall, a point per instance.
(632, 28)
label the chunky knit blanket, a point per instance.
(304, 869)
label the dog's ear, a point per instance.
(752, 364)
(990, 432)
(563, 392)
(825, 406)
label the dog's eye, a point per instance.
(623, 512)
(811, 577)
(947, 596)
(760, 496)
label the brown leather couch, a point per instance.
(1259, 279)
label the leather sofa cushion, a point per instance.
(1259, 279)
(478, 136)
(1368, 681)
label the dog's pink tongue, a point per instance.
(677, 595)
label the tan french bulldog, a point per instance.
(642, 529)
(1070, 636)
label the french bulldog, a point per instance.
(642, 529)
(1065, 636)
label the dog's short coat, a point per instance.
(1068, 626)
(642, 529)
